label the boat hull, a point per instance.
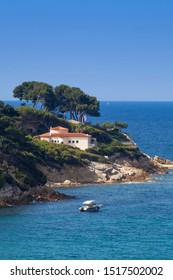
(89, 209)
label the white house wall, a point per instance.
(45, 139)
(76, 142)
(56, 140)
(82, 143)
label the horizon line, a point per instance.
(7, 100)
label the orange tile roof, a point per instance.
(44, 135)
(59, 128)
(63, 135)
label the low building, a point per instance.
(61, 135)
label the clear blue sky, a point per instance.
(113, 49)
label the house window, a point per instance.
(69, 141)
(77, 141)
(73, 141)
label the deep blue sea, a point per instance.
(136, 221)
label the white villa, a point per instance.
(60, 135)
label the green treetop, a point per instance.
(76, 102)
(61, 99)
(36, 92)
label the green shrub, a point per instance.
(2, 179)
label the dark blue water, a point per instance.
(136, 221)
(150, 124)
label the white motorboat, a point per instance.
(90, 206)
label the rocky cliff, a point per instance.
(128, 168)
(27, 164)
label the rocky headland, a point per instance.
(30, 168)
(133, 167)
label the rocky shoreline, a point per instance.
(131, 167)
(119, 171)
(14, 196)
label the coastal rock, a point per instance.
(114, 171)
(131, 167)
(38, 194)
(108, 171)
(77, 174)
(117, 177)
(67, 182)
(9, 191)
(163, 163)
(162, 160)
(101, 176)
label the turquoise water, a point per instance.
(136, 221)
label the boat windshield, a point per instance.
(89, 202)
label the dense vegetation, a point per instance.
(62, 99)
(21, 154)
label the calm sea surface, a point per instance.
(136, 221)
